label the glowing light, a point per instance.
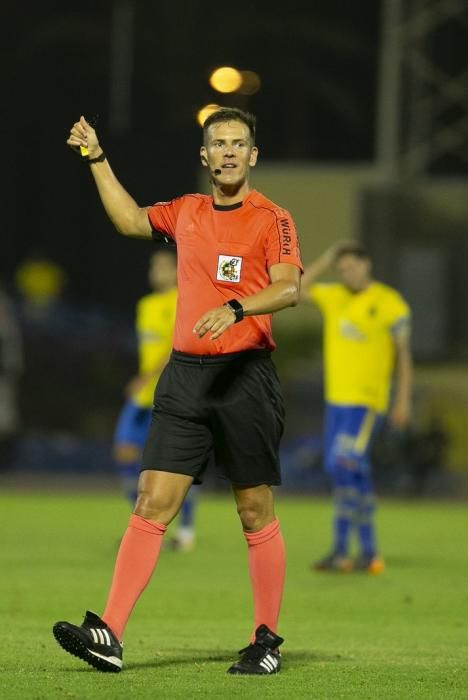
(205, 112)
(250, 84)
(226, 79)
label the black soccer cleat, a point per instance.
(369, 563)
(93, 641)
(333, 562)
(261, 658)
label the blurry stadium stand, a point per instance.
(77, 361)
(75, 366)
(11, 367)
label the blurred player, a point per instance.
(155, 317)
(238, 262)
(366, 341)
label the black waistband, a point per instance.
(219, 359)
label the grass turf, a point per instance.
(401, 635)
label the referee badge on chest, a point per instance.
(229, 268)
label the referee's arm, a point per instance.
(128, 218)
(283, 291)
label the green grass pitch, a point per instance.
(401, 635)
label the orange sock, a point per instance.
(136, 560)
(267, 565)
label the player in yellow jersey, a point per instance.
(155, 317)
(366, 345)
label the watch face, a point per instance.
(236, 308)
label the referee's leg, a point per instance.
(160, 496)
(266, 552)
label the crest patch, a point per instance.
(229, 268)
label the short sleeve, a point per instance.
(321, 294)
(163, 217)
(282, 244)
(397, 315)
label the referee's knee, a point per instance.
(254, 516)
(156, 507)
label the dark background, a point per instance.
(318, 67)
(324, 99)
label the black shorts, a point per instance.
(229, 406)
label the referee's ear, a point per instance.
(253, 157)
(203, 157)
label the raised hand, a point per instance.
(83, 135)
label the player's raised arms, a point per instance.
(128, 218)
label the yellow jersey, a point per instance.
(155, 318)
(359, 348)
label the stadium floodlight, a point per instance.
(226, 79)
(250, 82)
(205, 112)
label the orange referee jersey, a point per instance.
(224, 252)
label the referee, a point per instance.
(238, 262)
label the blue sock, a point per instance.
(129, 474)
(365, 521)
(341, 528)
(367, 539)
(187, 512)
(345, 501)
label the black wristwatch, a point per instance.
(236, 308)
(99, 159)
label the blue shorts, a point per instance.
(132, 425)
(349, 431)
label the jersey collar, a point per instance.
(227, 207)
(231, 207)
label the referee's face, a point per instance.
(354, 272)
(229, 153)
